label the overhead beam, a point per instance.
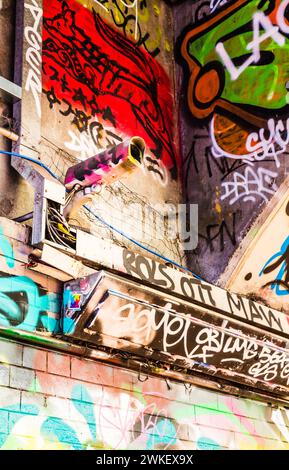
(10, 88)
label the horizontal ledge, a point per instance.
(10, 87)
(51, 343)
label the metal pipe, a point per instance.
(24, 217)
(9, 134)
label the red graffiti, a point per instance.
(92, 70)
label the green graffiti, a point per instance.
(262, 84)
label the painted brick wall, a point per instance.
(57, 401)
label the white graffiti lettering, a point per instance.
(270, 365)
(187, 337)
(101, 5)
(260, 147)
(82, 144)
(210, 342)
(131, 6)
(251, 185)
(88, 143)
(33, 55)
(216, 4)
(260, 22)
(281, 17)
(209, 296)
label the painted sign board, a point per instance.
(108, 310)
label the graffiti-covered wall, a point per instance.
(262, 271)
(29, 300)
(96, 74)
(204, 85)
(94, 406)
(232, 74)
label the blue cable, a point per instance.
(140, 244)
(24, 157)
(168, 260)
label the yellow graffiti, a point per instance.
(167, 46)
(156, 10)
(131, 15)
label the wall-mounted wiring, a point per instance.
(110, 226)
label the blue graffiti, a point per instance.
(56, 427)
(10, 415)
(35, 305)
(21, 304)
(205, 443)
(279, 260)
(7, 250)
(53, 429)
(164, 434)
(85, 407)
